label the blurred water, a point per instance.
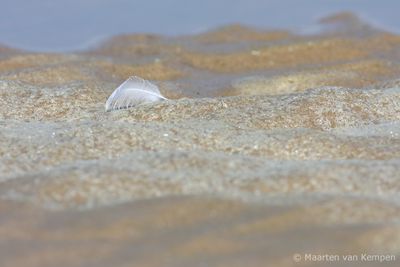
(60, 25)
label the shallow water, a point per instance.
(272, 144)
(46, 25)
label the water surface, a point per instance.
(48, 25)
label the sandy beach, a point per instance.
(273, 145)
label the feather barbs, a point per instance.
(132, 92)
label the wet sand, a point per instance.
(272, 144)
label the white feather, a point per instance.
(132, 92)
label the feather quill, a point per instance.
(132, 92)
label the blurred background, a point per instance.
(67, 25)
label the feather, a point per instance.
(132, 92)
